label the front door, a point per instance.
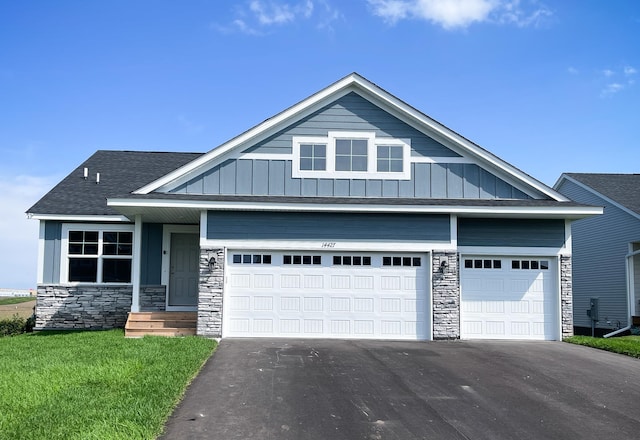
(183, 271)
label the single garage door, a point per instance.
(508, 298)
(326, 295)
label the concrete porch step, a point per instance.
(140, 324)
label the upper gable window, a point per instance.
(390, 158)
(351, 155)
(313, 157)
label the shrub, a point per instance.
(16, 325)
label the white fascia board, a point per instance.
(261, 130)
(80, 218)
(488, 211)
(467, 145)
(597, 194)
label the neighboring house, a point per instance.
(349, 215)
(606, 248)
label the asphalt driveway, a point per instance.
(320, 389)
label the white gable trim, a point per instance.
(385, 100)
(596, 193)
(80, 218)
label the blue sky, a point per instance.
(548, 86)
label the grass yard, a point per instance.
(93, 385)
(629, 345)
(15, 300)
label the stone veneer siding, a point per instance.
(91, 306)
(82, 307)
(446, 296)
(210, 295)
(153, 298)
(566, 295)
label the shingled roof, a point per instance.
(623, 189)
(121, 172)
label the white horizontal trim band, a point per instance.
(492, 211)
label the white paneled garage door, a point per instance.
(326, 295)
(508, 298)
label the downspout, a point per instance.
(629, 300)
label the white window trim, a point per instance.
(102, 227)
(372, 156)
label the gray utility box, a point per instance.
(592, 311)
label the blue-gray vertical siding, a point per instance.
(52, 250)
(273, 177)
(352, 113)
(151, 255)
(511, 232)
(600, 246)
(322, 226)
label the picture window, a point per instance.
(98, 256)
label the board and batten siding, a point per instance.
(52, 250)
(258, 177)
(273, 177)
(492, 232)
(323, 226)
(600, 245)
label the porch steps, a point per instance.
(140, 324)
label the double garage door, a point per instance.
(508, 298)
(326, 295)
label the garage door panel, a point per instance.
(508, 302)
(325, 299)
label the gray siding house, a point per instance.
(606, 248)
(349, 215)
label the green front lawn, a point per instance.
(93, 385)
(629, 345)
(16, 300)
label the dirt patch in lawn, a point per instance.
(24, 309)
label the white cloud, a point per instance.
(617, 80)
(573, 70)
(611, 89)
(451, 14)
(19, 235)
(256, 17)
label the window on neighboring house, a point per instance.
(313, 157)
(390, 158)
(351, 154)
(98, 256)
